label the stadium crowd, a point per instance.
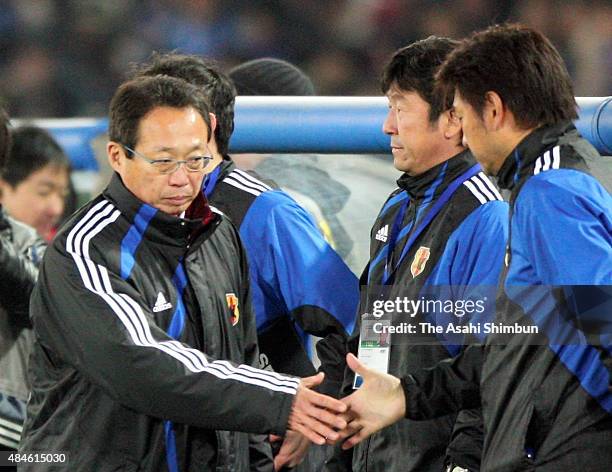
(66, 57)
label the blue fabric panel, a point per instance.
(565, 239)
(472, 261)
(133, 237)
(291, 264)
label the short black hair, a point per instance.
(204, 74)
(136, 98)
(519, 64)
(413, 69)
(33, 148)
(5, 138)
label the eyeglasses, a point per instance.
(169, 166)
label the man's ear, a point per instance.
(494, 111)
(213, 124)
(212, 143)
(451, 125)
(115, 154)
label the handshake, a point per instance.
(320, 419)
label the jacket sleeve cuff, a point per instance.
(280, 425)
(411, 393)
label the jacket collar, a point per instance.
(218, 174)
(226, 166)
(434, 181)
(519, 162)
(161, 227)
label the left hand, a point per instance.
(293, 450)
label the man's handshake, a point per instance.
(378, 403)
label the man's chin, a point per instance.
(403, 164)
(174, 210)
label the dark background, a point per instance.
(64, 58)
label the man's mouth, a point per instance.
(178, 200)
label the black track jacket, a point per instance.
(546, 397)
(463, 247)
(105, 374)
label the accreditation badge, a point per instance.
(374, 346)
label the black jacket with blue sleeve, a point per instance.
(546, 395)
(459, 251)
(145, 343)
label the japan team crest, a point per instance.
(419, 261)
(232, 304)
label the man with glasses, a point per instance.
(170, 166)
(141, 290)
(299, 284)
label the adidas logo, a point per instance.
(383, 233)
(161, 304)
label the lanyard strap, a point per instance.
(389, 275)
(210, 182)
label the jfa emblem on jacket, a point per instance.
(419, 261)
(232, 304)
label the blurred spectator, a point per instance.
(20, 252)
(65, 57)
(36, 180)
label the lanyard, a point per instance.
(395, 230)
(210, 181)
(389, 275)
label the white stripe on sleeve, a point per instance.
(546, 165)
(253, 179)
(491, 186)
(233, 183)
(481, 198)
(248, 182)
(483, 188)
(96, 279)
(556, 157)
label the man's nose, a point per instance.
(390, 123)
(179, 177)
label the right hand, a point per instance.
(316, 416)
(379, 402)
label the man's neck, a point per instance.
(443, 156)
(508, 144)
